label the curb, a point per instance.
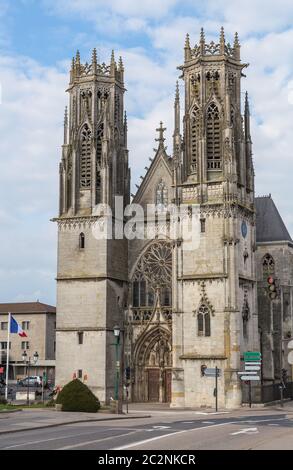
(11, 431)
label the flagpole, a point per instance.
(7, 356)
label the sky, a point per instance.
(37, 41)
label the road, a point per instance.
(191, 430)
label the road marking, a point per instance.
(187, 422)
(208, 422)
(273, 424)
(145, 441)
(81, 444)
(212, 412)
(245, 431)
(47, 440)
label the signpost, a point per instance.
(252, 364)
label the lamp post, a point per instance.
(28, 363)
(116, 331)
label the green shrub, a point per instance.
(3, 401)
(76, 396)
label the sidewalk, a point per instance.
(30, 419)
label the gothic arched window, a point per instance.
(213, 138)
(161, 195)
(268, 266)
(152, 281)
(85, 157)
(81, 241)
(203, 321)
(100, 135)
(194, 134)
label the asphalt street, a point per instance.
(164, 431)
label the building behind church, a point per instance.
(179, 309)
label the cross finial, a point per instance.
(161, 139)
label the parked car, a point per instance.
(34, 380)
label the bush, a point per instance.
(76, 396)
(3, 401)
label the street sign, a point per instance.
(211, 372)
(251, 367)
(247, 372)
(254, 363)
(252, 356)
(249, 377)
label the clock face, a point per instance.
(244, 229)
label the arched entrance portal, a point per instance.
(153, 365)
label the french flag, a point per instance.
(16, 328)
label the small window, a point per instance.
(3, 345)
(79, 373)
(202, 225)
(203, 321)
(54, 346)
(81, 241)
(4, 326)
(25, 325)
(25, 345)
(80, 337)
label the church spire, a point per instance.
(94, 60)
(176, 135)
(202, 42)
(222, 41)
(247, 118)
(187, 49)
(236, 47)
(65, 125)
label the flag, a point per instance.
(16, 328)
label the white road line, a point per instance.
(212, 412)
(45, 440)
(135, 444)
(62, 437)
(208, 422)
(81, 444)
(245, 431)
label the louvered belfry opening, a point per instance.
(85, 157)
(195, 122)
(213, 138)
(100, 135)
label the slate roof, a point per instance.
(27, 307)
(269, 224)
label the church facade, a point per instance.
(180, 309)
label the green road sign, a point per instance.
(252, 356)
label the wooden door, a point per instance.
(153, 385)
(168, 385)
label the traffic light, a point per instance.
(272, 288)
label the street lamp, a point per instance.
(116, 332)
(28, 363)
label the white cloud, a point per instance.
(31, 116)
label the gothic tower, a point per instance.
(214, 294)
(92, 270)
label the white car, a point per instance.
(35, 380)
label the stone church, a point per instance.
(178, 310)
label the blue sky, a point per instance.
(38, 39)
